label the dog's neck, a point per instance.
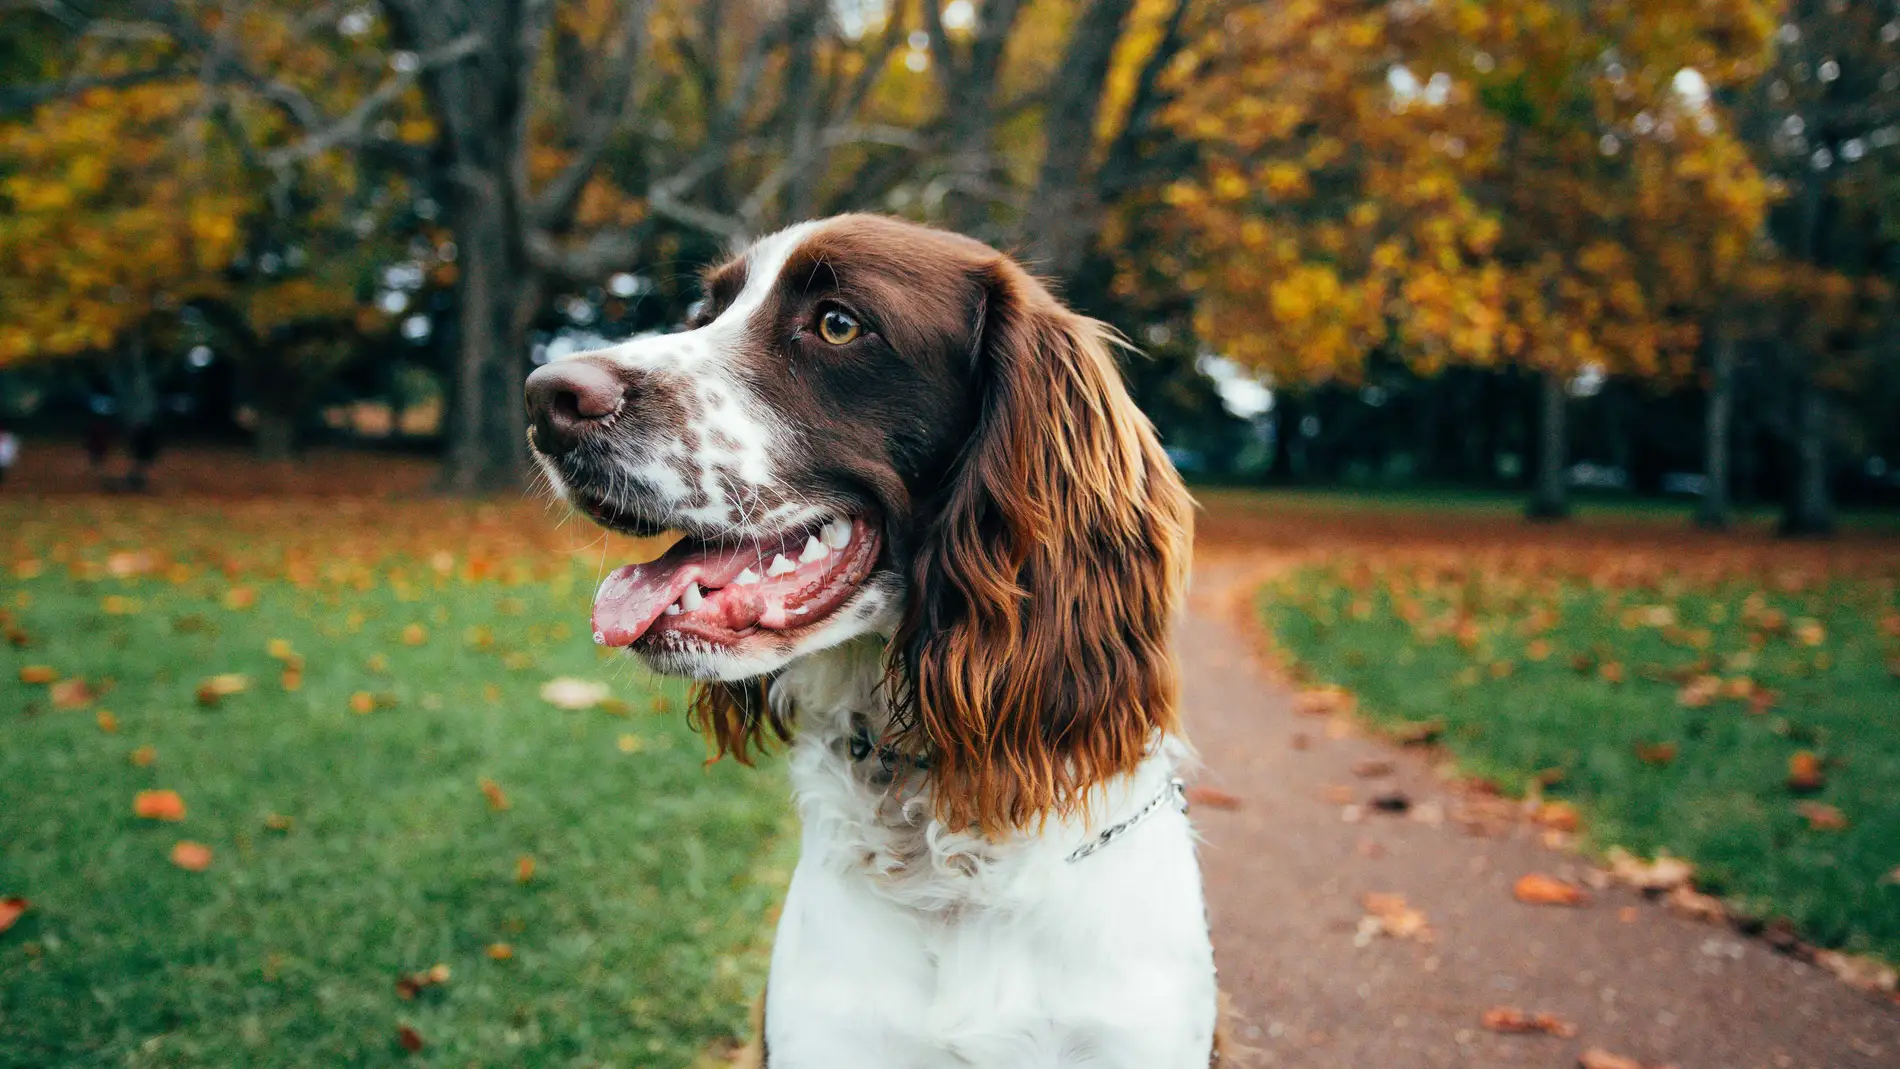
(867, 808)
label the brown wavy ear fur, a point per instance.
(737, 718)
(1033, 662)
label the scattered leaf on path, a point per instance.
(1326, 700)
(1513, 1020)
(1867, 974)
(1662, 874)
(1203, 796)
(1538, 889)
(1391, 916)
(1558, 816)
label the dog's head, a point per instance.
(876, 427)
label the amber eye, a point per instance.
(838, 327)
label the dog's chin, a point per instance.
(871, 609)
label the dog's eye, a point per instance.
(839, 327)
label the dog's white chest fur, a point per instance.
(906, 945)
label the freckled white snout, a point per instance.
(568, 399)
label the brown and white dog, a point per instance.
(925, 526)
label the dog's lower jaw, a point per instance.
(903, 943)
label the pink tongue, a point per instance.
(634, 596)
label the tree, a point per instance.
(1454, 183)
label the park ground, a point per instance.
(317, 771)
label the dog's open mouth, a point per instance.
(720, 592)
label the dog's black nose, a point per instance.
(568, 399)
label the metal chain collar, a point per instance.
(1173, 789)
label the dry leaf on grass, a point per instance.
(38, 673)
(1201, 795)
(1655, 753)
(1538, 889)
(1513, 1020)
(497, 798)
(1391, 916)
(1822, 817)
(567, 692)
(409, 985)
(158, 805)
(1804, 772)
(215, 689)
(71, 694)
(409, 1038)
(10, 910)
(500, 951)
(190, 856)
(524, 869)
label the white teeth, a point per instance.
(746, 578)
(814, 550)
(836, 534)
(780, 565)
(673, 609)
(691, 599)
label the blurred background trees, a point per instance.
(1544, 243)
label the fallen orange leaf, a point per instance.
(1598, 1058)
(1656, 753)
(190, 856)
(38, 673)
(143, 756)
(415, 635)
(158, 805)
(1511, 1019)
(497, 798)
(410, 1039)
(215, 689)
(1558, 816)
(524, 869)
(500, 951)
(107, 722)
(362, 702)
(71, 694)
(1804, 771)
(10, 910)
(240, 597)
(1391, 915)
(1538, 889)
(1822, 817)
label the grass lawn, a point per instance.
(1666, 695)
(408, 799)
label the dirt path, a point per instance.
(1286, 873)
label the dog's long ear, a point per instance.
(737, 718)
(1033, 661)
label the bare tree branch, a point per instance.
(351, 127)
(557, 202)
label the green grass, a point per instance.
(1723, 801)
(637, 941)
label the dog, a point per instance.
(931, 545)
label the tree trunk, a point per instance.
(1717, 513)
(1063, 211)
(488, 423)
(275, 436)
(481, 105)
(1810, 504)
(1548, 499)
